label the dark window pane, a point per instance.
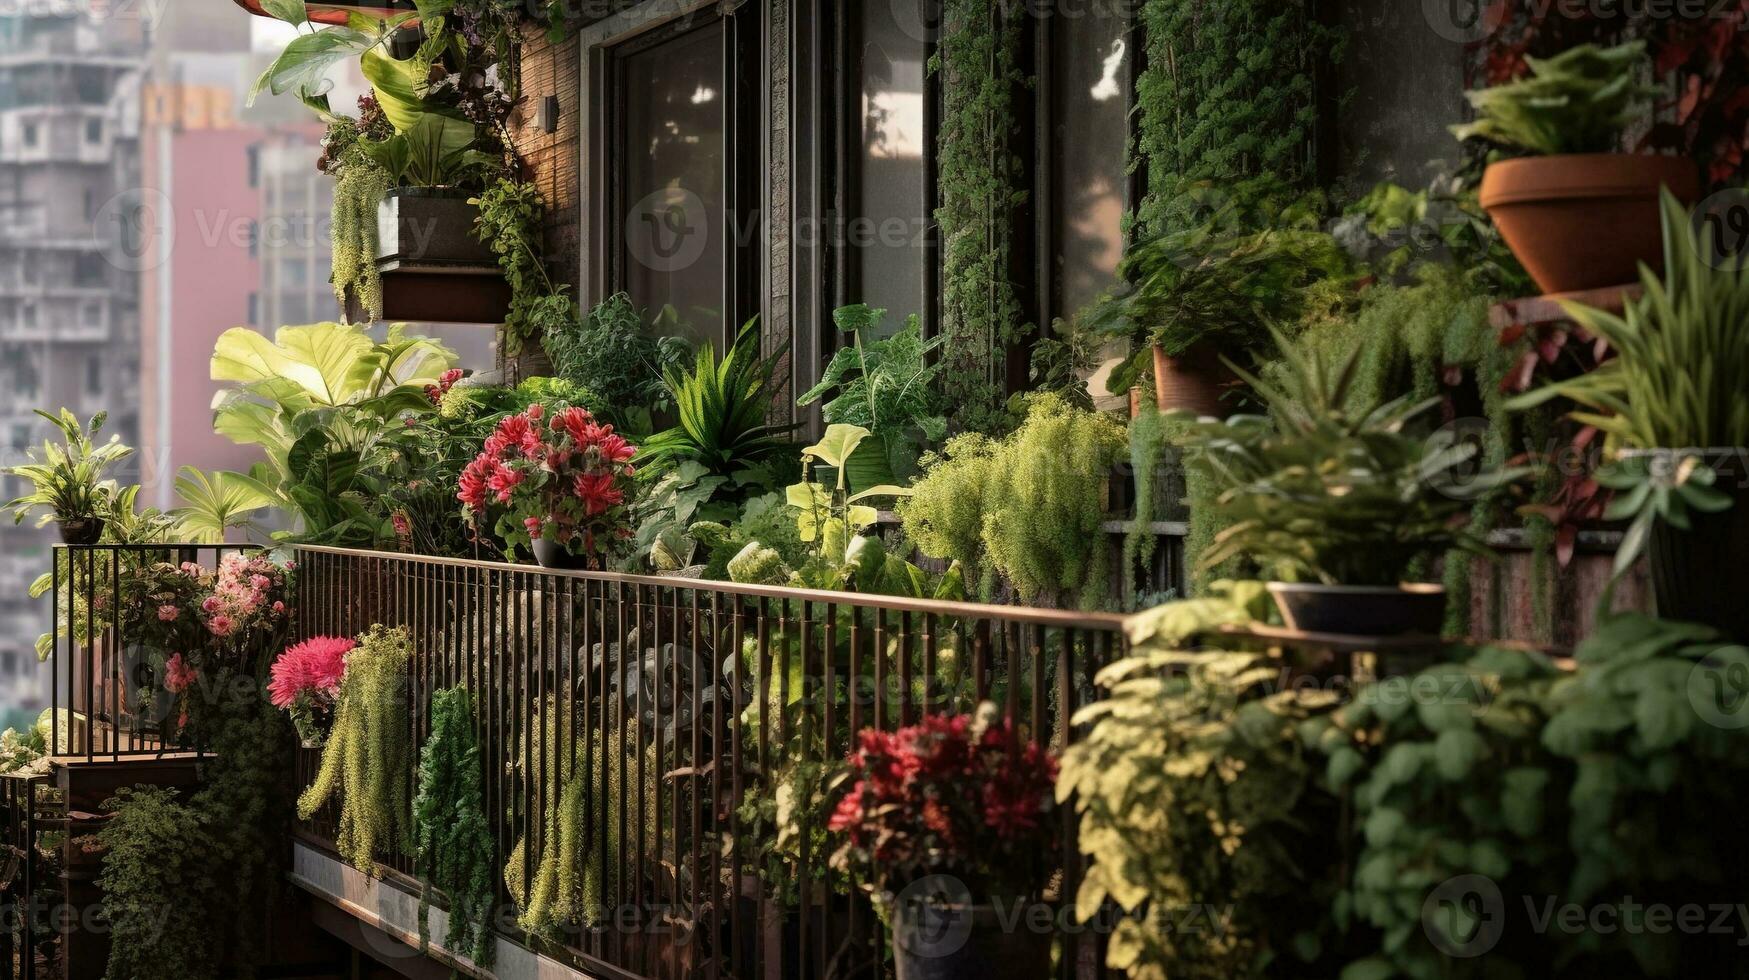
(673, 199)
(886, 236)
(1092, 114)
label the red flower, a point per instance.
(598, 492)
(576, 423)
(474, 481)
(614, 448)
(504, 482)
(534, 525)
(444, 384)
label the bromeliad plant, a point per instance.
(1579, 101)
(68, 480)
(962, 796)
(722, 404)
(561, 476)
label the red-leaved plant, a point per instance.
(959, 796)
(559, 475)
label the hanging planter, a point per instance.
(339, 13)
(430, 227)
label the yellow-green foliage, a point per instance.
(1029, 507)
(367, 758)
(353, 235)
(571, 884)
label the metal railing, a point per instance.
(30, 897)
(108, 699)
(686, 703)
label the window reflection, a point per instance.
(886, 235)
(674, 200)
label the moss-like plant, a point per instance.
(454, 840)
(367, 759)
(1030, 508)
(156, 880)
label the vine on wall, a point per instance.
(980, 190)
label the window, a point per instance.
(30, 134)
(888, 176)
(1090, 105)
(27, 315)
(680, 226)
(91, 314)
(254, 157)
(94, 374)
(94, 131)
(297, 272)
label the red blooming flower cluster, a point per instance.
(444, 383)
(561, 474)
(953, 795)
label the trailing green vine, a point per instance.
(454, 841)
(367, 760)
(155, 881)
(509, 222)
(981, 190)
(353, 234)
(1228, 92)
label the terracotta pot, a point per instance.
(1585, 221)
(1193, 381)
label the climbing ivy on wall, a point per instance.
(980, 191)
(1228, 92)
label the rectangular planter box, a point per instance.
(429, 228)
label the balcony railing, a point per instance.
(673, 671)
(688, 702)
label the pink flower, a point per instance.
(614, 448)
(533, 524)
(167, 613)
(279, 609)
(474, 481)
(221, 625)
(178, 675)
(210, 604)
(191, 570)
(315, 666)
(505, 481)
(535, 411)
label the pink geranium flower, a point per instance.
(167, 613)
(178, 675)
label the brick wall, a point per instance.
(551, 162)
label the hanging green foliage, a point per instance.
(367, 760)
(454, 841)
(149, 863)
(1228, 92)
(509, 222)
(353, 234)
(981, 191)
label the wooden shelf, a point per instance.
(1533, 311)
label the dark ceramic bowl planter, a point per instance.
(1361, 610)
(552, 554)
(429, 227)
(82, 530)
(1585, 221)
(968, 942)
(1700, 575)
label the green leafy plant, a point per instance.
(1579, 101)
(1194, 792)
(366, 760)
(359, 188)
(67, 480)
(1328, 490)
(611, 354)
(1225, 280)
(510, 213)
(154, 876)
(453, 841)
(885, 386)
(1030, 507)
(214, 503)
(1652, 396)
(722, 405)
(437, 151)
(319, 400)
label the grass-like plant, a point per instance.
(1676, 382)
(367, 760)
(722, 406)
(454, 842)
(1578, 101)
(67, 480)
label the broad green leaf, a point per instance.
(305, 63)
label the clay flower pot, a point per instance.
(1193, 381)
(1585, 221)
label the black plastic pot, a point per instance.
(82, 530)
(552, 554)
(1361, 610)
(960, 942)
(429, 227)
(1700, 575)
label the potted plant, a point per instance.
(1335, 499)
(561, 482)
(1213, 286)
(1576, 212)
(1671, 404)
(67, 480)
(306, 684)
(427, 216)
(950, 823)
